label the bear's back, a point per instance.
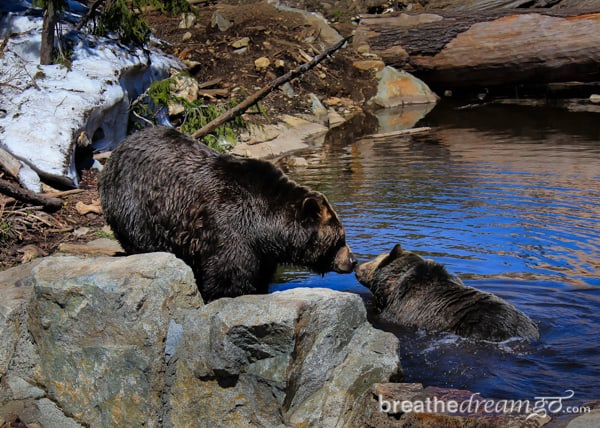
(165, 145)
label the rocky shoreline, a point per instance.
(128, 341)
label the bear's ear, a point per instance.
(314, 208)
(396, 251)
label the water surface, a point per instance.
(507, 198)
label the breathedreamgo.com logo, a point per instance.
(541, 406)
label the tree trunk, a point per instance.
(48, 27)
(505, 48)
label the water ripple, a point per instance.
(515, 213)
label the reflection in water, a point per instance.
(508, 201)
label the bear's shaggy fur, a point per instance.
(412, 291)
(232, 220)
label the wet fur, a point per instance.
(412, 291)
(231, 219)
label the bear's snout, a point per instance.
(344, 260)
(362, 272)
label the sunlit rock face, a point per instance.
(128, 341)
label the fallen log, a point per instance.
(28, 197)
(504, 48)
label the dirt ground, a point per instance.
(27, 232)
(274, 34)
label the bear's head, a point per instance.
(325, 249)
(392, 275)
(387, 266)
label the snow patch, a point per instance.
(53, 115)
(29, 179)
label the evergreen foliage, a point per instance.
(170, 6)
(196, 115)
(120, 18)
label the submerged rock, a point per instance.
(292, 134)
(401, 117)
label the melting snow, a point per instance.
(48, 111)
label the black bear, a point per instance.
(232, 220)
(412, 291)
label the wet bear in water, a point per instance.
(412, 291)
(232, 220)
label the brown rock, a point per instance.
(262, 63)
(376, 65)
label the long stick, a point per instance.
(260, 94)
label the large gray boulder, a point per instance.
(300, 357)
(100, 326)
(127, 341)
(13, 311)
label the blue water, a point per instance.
(508, 199)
